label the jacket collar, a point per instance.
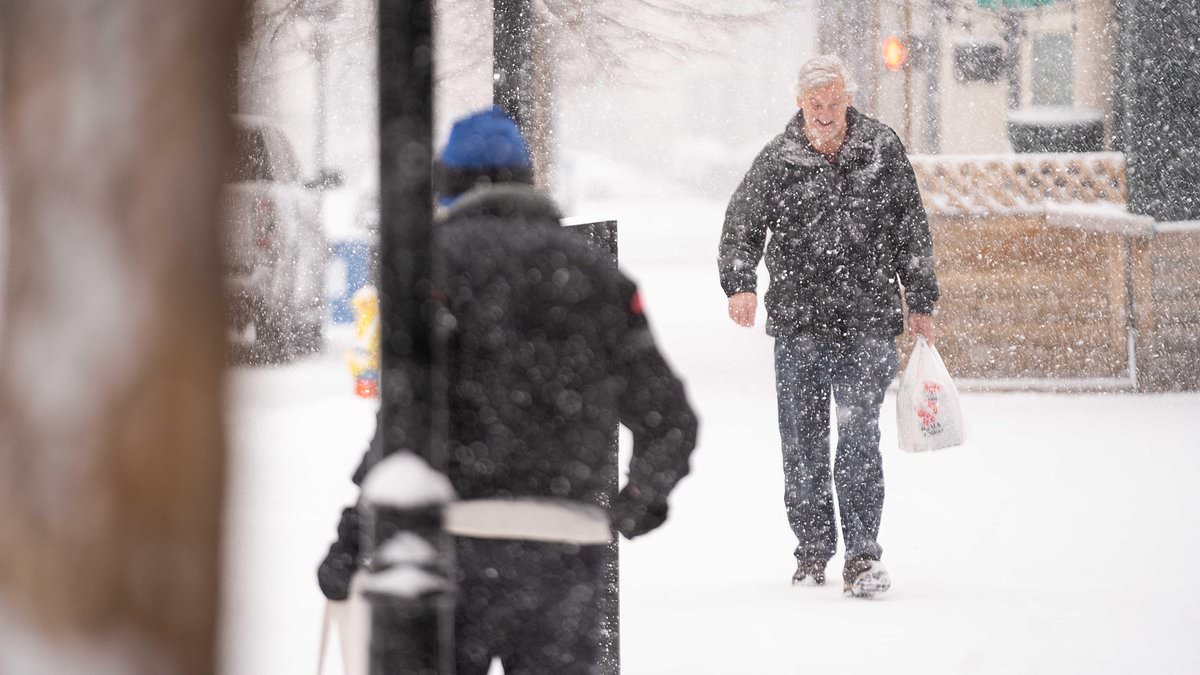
(858, 143)
(507, 201)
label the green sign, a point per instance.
(1013, 4)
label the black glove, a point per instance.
(634, 514)
(333, 576)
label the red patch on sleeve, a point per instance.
(635, 304)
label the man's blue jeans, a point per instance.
(857, 371)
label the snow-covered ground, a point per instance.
(1062, 538)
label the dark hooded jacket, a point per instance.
(548, 348)
(843, 235)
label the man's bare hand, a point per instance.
(741, 308)
(922, 324)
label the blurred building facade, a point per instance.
(309, 66)
(972, 66)
(1058, 155)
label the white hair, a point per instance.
(821, 71)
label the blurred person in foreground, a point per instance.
(550, 349)
(848, 236)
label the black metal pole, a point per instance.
(406, 216)
(512, 59)
(603, 235)
(1122, 77)
(933, 70)
(410, 632)
(1011, 20)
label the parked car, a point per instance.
(275, 251)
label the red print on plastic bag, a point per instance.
(928, 411)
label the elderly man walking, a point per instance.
(848, 236)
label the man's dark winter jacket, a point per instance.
(548, 349)
(842, 233)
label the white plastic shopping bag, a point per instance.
(927, 410)
(351, 620)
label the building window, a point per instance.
(1053, 59)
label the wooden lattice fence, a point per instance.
(1049, 282)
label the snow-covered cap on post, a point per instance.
(404, 481)
(406, 581)
(484, 147)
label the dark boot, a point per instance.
(865, 578)
(809, 574)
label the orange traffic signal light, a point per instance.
(895, 52)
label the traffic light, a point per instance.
(895, 52)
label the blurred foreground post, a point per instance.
(406, 218)
(412, 613)
(408, 585)
(114, 133)
(603, 235)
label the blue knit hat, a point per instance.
(486, 147)
(484, 140)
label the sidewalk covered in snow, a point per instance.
(1060, 538)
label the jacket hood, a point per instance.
(506, 201)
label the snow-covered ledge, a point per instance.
(1192, 226)
(1104, 217)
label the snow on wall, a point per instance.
(1098, 217)
(1055, 115)
(1173, 226)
